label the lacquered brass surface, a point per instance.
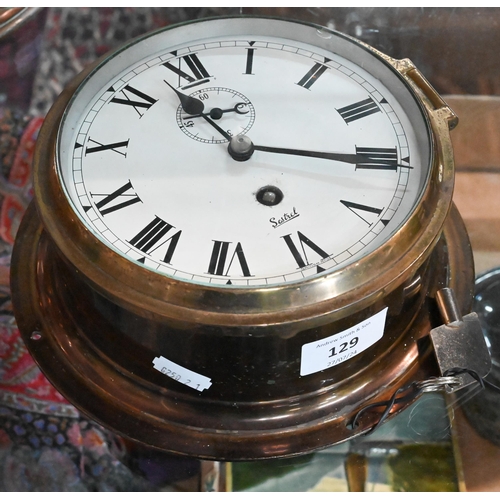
(99, 356)
(327, 298)
(95, 321)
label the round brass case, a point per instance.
(95, 321)
(99, 354)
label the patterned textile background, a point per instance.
(45, 444)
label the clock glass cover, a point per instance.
(329, 153)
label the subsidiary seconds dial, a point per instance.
(234, 111)
(241, 162)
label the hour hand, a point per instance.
(189, 104)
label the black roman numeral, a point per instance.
(152, 237)
(106, 205)
(249, 63)
(365, 210)
(114, 146)
(219, 257)
(301, 257)
(358, 110)
(143, 103)
(377, 158)
(313, 74)
(195, 73)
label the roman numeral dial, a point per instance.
(362, 211)
(242, 160)
(155, 235)
(299, 252)
(377, 158)
(189, 70)
(313, 75)
(119, 199)
(358, 110)
(119, 147)
(224, 254)
(137, 100)
(249, 59)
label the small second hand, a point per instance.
(217, 113)
(220, 130)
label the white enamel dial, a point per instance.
(338, 163)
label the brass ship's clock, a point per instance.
(239, 228)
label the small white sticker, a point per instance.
(181, 374)
(332, 351)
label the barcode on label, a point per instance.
(181, 374)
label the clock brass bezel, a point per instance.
(66, 284)
(136, 287)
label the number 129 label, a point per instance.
(331, 351)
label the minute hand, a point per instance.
(366, 158)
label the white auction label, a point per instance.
(181, 374)
(331, 351)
